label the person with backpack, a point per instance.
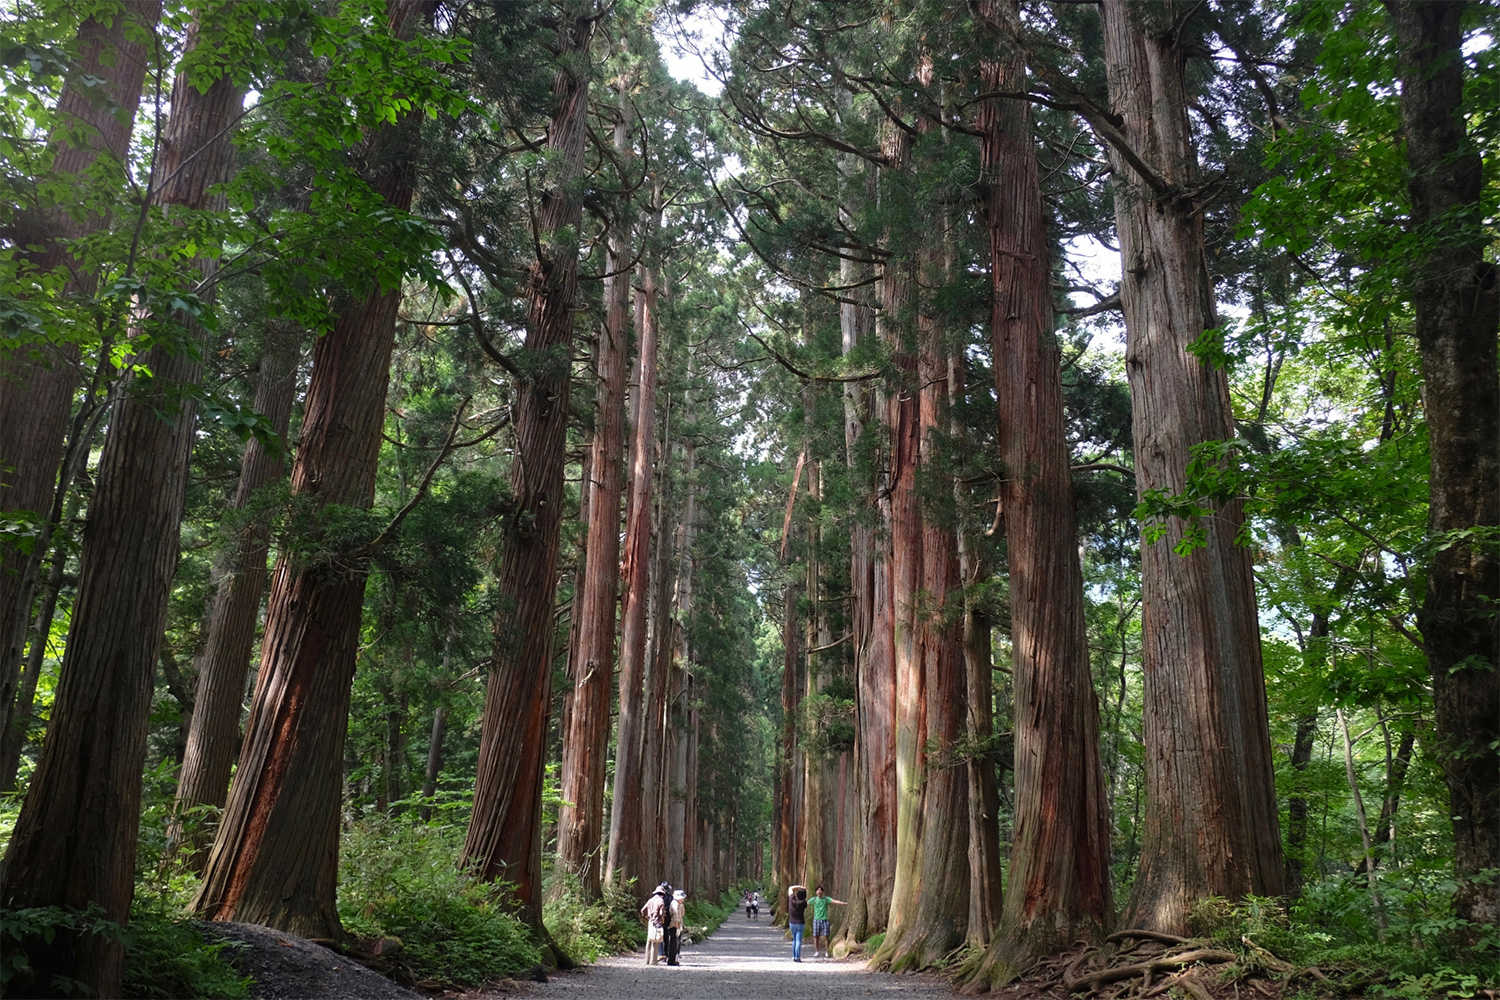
(655, 912)
(796, 917)
(676, 915)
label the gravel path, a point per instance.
(743, 960)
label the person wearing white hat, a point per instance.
(676, 915)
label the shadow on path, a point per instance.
(743, 960)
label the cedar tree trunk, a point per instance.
(275, 858)
(1059, 889)
(214, 732)
(1457, 309)
(580, 823)
(1208, 752)
(504, 836)
(97, 108)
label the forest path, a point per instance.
(743, 960)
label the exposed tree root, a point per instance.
(1146, 968)
(1149, 965)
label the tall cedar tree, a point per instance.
(873, 763)
(1208, 750)
(75, 841)
(1059, 887)
(275, 858)
(1457, 313)
(94, 117)
(628, 818)
(233, 616)
(504, 839)
(580, 821)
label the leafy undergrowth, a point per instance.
(587, 931)
(440, 927)
(1331, 946)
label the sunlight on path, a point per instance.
(743, 960)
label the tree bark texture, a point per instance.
(98, 102)
(942, 906)
(504, 836)
(275, 858)
(1059, 888)
(679, 713)
(627, 821)
(895, 328)
(986, 876)
(788, 811)
(1457, 309)
(580, 825)
(75, 841)
(214, 732)
(1205, 731)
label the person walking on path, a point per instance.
(655, 912)
(677, 913)
(819, 904)
(796, 917)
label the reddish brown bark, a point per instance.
(1208, 751)
(504, 836)
(1457, 305)
(1059, 887)
(275, 858)
(580, 825)
(938, 917)
(894, 328)
(627, 830)
(985, 873)
(97, 106)
(75, 841)
(214, 731)
(788, 810)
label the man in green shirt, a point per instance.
(819, 906)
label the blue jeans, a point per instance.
(796, 930)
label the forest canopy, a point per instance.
(1031, 466)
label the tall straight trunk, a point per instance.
(873, 765)
(95, 113)
(627, 820)
(434, 766)
(788, 779)
(1296, 805)
(275, 858)
(876, 686)
(1457, 306)
(938, 920)
(659, 646)
(580, 824)
(679, 719)
(1059, 889)
(985, 873)
(694, 875)
(1201, 637)
(894, 328)
(74, 843)
(214, 732)
(504, 835)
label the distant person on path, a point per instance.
(655, 912)
(752, 905)
(820, 921)
(677, 913)
(796, 917)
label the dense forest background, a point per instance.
(1032, 468)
